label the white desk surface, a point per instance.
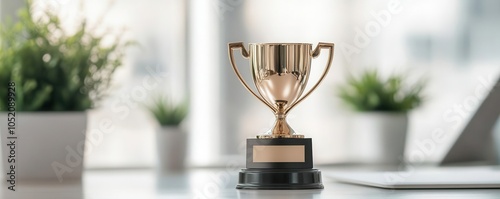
(207, 184)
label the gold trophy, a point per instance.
(280, 158)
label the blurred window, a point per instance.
(183, 50)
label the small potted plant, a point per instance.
(57, 76)
(379, 127)
(171, 139)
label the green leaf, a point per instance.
(166, 112)
(51, 70)
(369, 92)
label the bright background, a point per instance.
(455, 44)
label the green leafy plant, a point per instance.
(166, 112)
(52, 69)
(369, 92)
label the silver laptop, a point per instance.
(475, 144)
(433, 178)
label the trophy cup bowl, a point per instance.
(280, 158)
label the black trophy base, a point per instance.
(282, 179)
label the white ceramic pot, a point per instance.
(171, 144)
(378, 138)
(49, 145)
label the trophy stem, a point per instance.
(281, 128)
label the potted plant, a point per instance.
(379, 127)
(57, 77)
(171, 139)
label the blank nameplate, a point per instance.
(283, 153)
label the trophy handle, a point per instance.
(315, 53)
(245, 54)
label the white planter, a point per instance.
(171, 144)
(49, 145)
(378, 138)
